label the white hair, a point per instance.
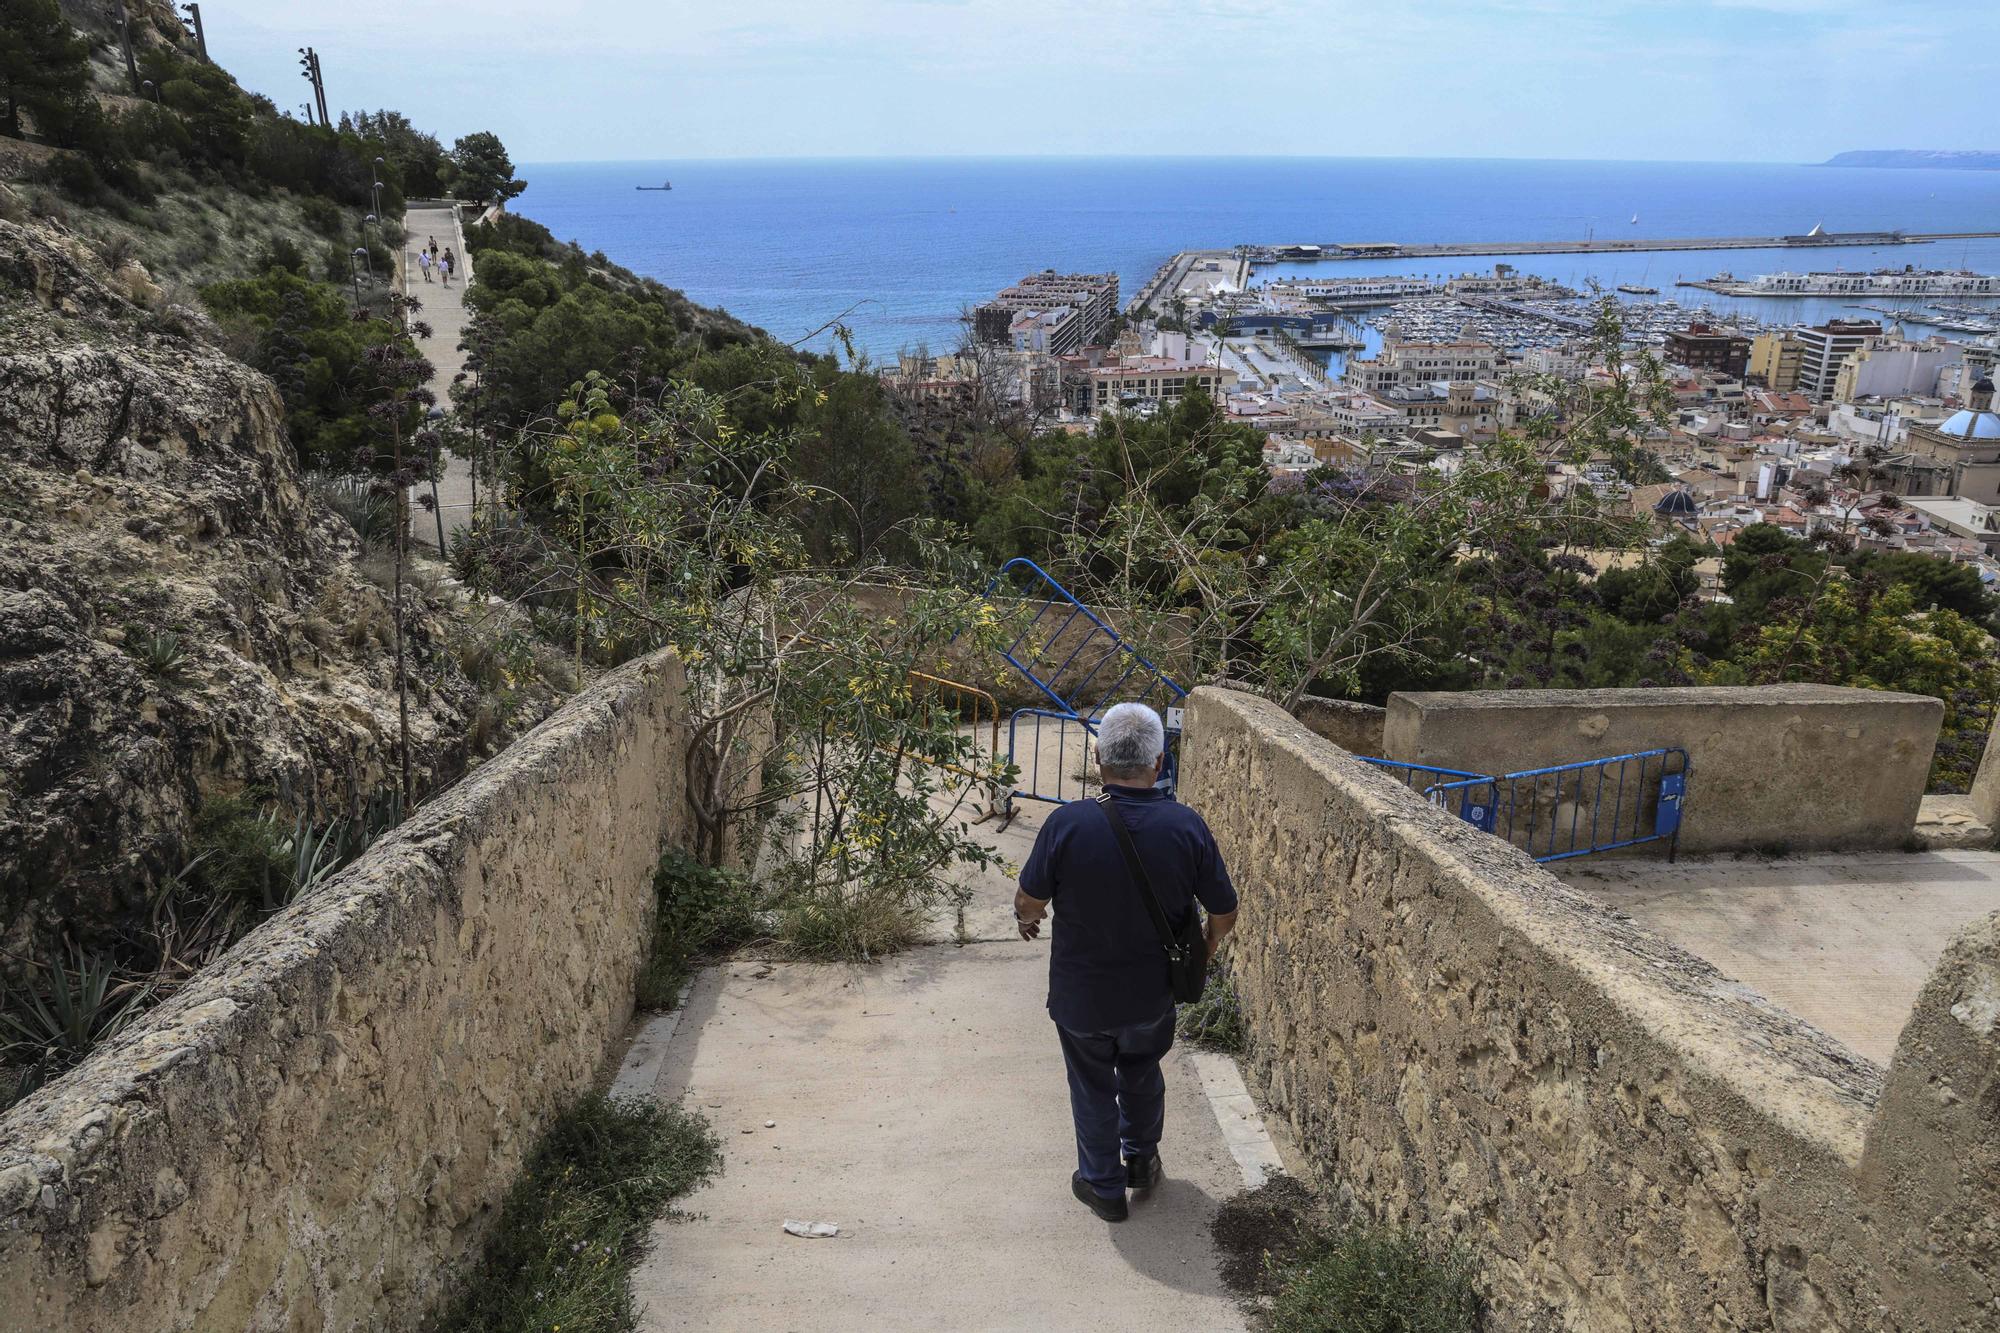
(1130, 738)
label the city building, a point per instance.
(1401, 362)
(1701, 347)
(1822, 348)
(1458, 406)
(1962, 518)
(1882, 282)
(1155, 379)
(1774, 361)
(1959, 456)
(1092, 297)
(1893, 368)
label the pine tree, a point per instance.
(44, 64)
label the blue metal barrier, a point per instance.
(1595, 805)
(1097, 668)
(1073, 736)
(1418, 777)
(1068, 773)
(1082, 665)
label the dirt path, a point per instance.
(920, 1105)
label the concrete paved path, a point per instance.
(920, 1105)
(443, 308)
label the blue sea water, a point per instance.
(897, 247)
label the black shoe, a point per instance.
(1143, 1173)
(1111, 1210)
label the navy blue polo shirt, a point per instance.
(1107, 968)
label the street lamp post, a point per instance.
(193, 22)
(436, 419)
(361, 252)
(150, 89)
(306, 73)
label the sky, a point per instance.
(601, 80)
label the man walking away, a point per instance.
(1108, 989)
(424, 263)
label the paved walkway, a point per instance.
(444, 310)
(920, 1105)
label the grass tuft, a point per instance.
(859, 926)
(1216, 1019)
(576, 1220)
(1370, 1279)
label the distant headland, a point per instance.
(1957, 159)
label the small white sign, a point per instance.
(1174, 719)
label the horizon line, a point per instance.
(1192, 157)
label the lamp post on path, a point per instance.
(435, 418)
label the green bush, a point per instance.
(702, 911)
(239, 853)
(576, 1221)
(302, 334)
(1367, 1279)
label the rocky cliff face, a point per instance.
(179, 617)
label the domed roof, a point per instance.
(1676, 502)
(1972, 425)
(1985, 384)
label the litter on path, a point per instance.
(811, 1230)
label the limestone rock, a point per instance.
(147, 488)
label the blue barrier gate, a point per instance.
(1082, 666)
(1418, 777)
(1594, 805)
(1097, 668)
(1073, 736)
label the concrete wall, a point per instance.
(1624, 1139)
(315, 1130)
(1776, 768)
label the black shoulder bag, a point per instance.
(1187, 953)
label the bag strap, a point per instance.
(1137, 870)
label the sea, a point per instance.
(894, 250)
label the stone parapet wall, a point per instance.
(1777, 768)
(1625, 1139)
(314, 1132)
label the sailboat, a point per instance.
(1635, 219)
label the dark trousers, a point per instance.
(1117, 1095)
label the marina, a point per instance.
(1817, 238)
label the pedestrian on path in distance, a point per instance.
(434, 249)
(450, 262)
(424, 263)
(1111, 987)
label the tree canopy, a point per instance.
(482, 169)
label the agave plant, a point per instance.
(50, 1028)
(372, 516)
(161, 653)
